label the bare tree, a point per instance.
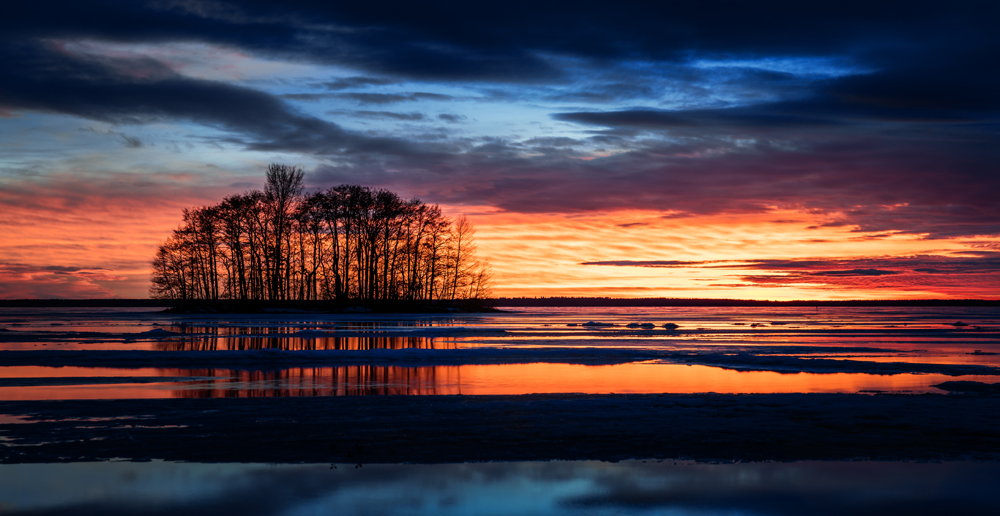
(281, 192)
(344, 244)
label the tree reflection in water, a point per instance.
(355, 336)
(360, 380)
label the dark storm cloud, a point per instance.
(45, 77)
(842, 102)
(388, 115)
(608, 92)
(377, 98)
(453, 40)
(725, 119)
(905, 142)
(905, 147)
(915, 184)
(392, 98)
(957, 88)
(307, 97)
(357, 82)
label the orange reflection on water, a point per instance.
(513, 379)
(70, 371)
(675, 378)
(87, 392)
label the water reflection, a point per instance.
(514, 379)
(542, 488)
(46, 383)
(300, 343)
(905, 329)
(301, 335)
(288, 326)
(360, 380)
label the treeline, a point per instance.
(347, 244)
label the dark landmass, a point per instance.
(678, 302)
(180, 306)
(969, 386)
(437, 429)
(374, 307)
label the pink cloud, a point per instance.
(73, 236)
(19, 281)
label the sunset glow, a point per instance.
(470, 380)
(677, 154)
(525, 257)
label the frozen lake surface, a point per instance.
(501, 413)
(59, 353)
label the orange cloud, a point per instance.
(70, 236)
(544, 255)
(19, 281)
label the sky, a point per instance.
(709, 149)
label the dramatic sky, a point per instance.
(757, 150)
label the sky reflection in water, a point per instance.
(926, 335)
(554, 488)
(543, 488)
(39, 383)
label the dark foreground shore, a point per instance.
(437, 429)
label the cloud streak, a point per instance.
(23, 281)
(971, 275)
(44, 76)
(860, 122)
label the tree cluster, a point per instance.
(346, 244)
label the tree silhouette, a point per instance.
(348, 243)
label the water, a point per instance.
(712, 350)
(53, 383)
(533, 488)
(146, 354)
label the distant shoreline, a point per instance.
(227, 306)
(694, 302)
(555, 302)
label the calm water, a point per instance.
(642, 377)
(711, 350)
(532, 488)
(920, 336)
